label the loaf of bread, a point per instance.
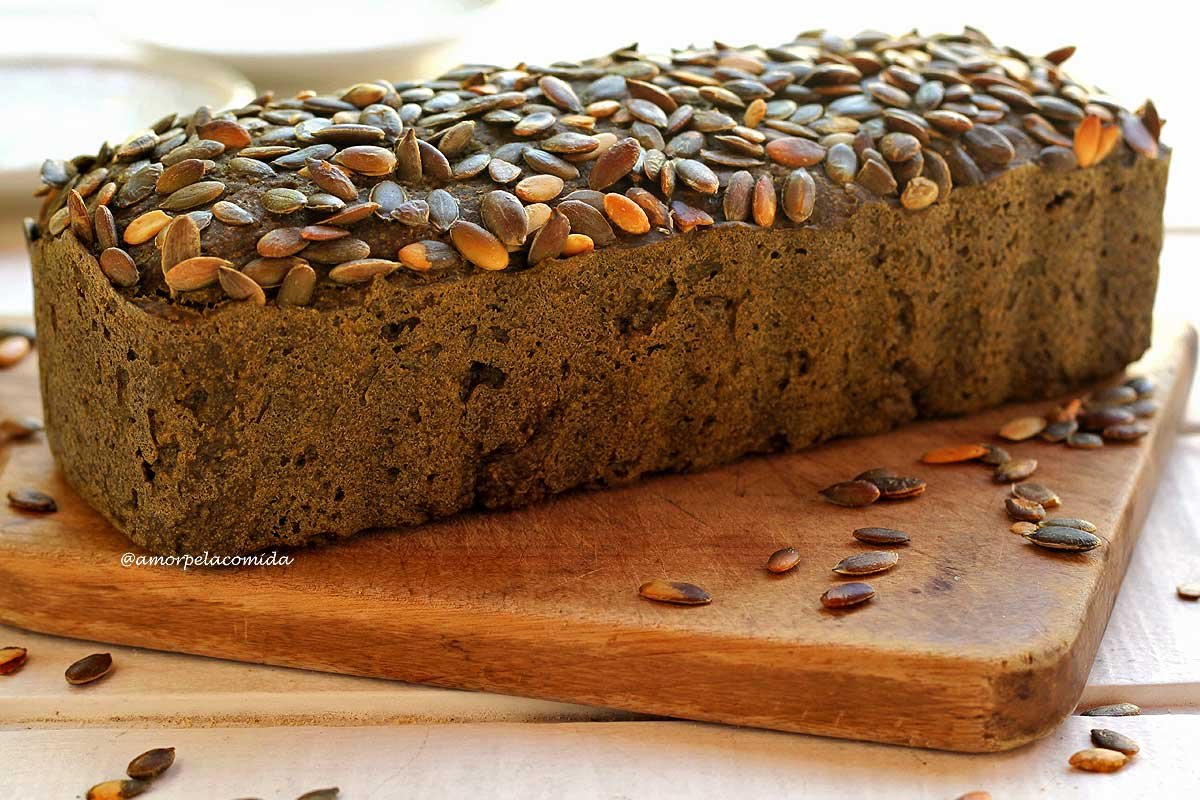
(321, 314)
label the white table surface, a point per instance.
(243, 730)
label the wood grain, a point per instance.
(977, 641)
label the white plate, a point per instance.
(60, 107)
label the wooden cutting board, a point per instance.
(977, 640)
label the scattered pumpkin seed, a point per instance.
(845, 595)
(852, 494)
(150, 764)
(783, 559)
(1024, 510)
(1112, 740)
(1113, 710)
(1084, 441)
(1189, 591)
(89, 668)
(1096, 759)
(12, 658)
(675, 592)
(1068, 522)
(1062, 538)
(117, 790)
(1022, 428)
(1015, 470)
(1036, 493)
(1022, 528)
(867, 563)
(15, 429)
(31, 500)
(881, 536)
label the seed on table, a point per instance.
(783, 559)
(13, 350)
(898, 488)
(852, 494)
(151, 764)
(12, 658)
(117, 790)
(1112, 740)
(1037, 493)
(89, 668)
(1063, 538)
(31, 500)
(867, 563)
(1024, 510)
(15, 429)
(1022, 428)
(1084, 441)
(1016, 470)
(1068, 522)
(1022, 528)
(1097, 759)
(1126, 432)
(847, 594)
(1188, 591)
(1113, 710)
(675, 592)
(881, 536)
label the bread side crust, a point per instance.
(245, 427)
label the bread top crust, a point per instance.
(308, 200)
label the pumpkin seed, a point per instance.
(372, 160)
(799, 196)
(195, 273)
(1023, 528)
(794, 152)
(1127, 432)
(282, 242)
(1055, 537)
(881, 536)
(362, 270)
(150, 764)
(1113, 710)
(1098, 759)
(12, 659)
(954, 454)
(193, 195)
(1015, 470)
(232, 214)
(238, 286)
(146, 227)
(626, 214)
(1059, 430)
(895, 487)
(297, 287)
(15, 429)
(1022, 428)
(1024, 510)
(846, 595)
(675, 592)
(1111, 740)
(119, 267)
(764, 202)
(1069, 522)
(504, 215)
(89, 668)
(852, 494)
(480, 247)
(1188, 591)
(1036, 493)
(31, 499)
(117, 790)
(539, 188)
(283, 200)
(1084, 441)
(867, 563)
(782, 560)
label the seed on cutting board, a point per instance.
(1057, 537)
(1022, 428)
(1112, 740)
(1126, 432)
(852, 494)
(847, 594)
(15, 429)
(881, 536)
(876, 472)
(320, 794)
(1188, 591)
(1084, 441)
(1024, 510)
(1059, 430)
(31, 500)
(1037, 493)
(12, 658)
(1142, 385)
(151, 764)
(1015, 470)
(1113, 710)
(867, 563)
(89, 668)
(117, 790)
(676, 592)
(954, 454)
(1068, 522)
(1100, 419)
(1098, 759)
(783, 559)
(995, 456)
(1022, 528)
(898, 488)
